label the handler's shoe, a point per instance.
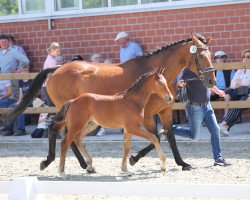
(8, 133)
(221, 162)
(20, 132)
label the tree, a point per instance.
(8, 7)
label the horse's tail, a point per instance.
(54, 128)
(33, 91)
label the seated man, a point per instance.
(223, 77)
(17, 128)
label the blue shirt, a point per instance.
(12, 59)
(220, 79)
(132, 50)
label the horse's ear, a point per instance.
(160, 70)
(195, 40)
(209, 39)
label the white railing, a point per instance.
(29, 188)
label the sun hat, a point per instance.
(37, 102)
(121, 35)
(220, 53)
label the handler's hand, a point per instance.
(181, 83)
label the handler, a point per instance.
(198, 110)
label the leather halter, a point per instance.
(201, 71)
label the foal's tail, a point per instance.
(33, 91)
(54, 128)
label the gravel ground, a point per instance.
(24, 160)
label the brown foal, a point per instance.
(81, 115)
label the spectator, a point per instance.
(97, 58)
(6, 94)
(54, 51)
(14, 45)
(199, 109)
(240, 87)
(128, 51)
(108, 61)
(223, 77)
(42, 124)
(77, 58)
(17, 128)
(11, 59)
(128, 48)
(51, 61)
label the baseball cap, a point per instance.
(121, 35)
(220, 53)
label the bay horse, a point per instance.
(75, 78)
(81, 115)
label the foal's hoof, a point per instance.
(91, 171)
(187, 167)
(163, 171)
(132, 160)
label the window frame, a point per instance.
(170, 5)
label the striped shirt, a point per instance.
(12, 59)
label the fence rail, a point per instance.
(176, 106)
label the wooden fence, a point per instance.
(176, 106)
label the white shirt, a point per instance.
(243, 75)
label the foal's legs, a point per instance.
(153, 139)
(126, 148)
(149, 124)
(79, 142)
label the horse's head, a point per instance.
(200, 61)
(160, 86)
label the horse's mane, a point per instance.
(137, 84)
(168, 46)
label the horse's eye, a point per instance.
(160, 83)
(200, 56)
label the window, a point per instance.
(8, 7)
(124, 2)
(33, 6)
(66, 4)
(153, 1)
(31, 9)
(94, 3)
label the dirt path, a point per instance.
(19, 161)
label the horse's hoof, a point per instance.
(132, 160)
(91, 171)
(42, 166)
(186, 168)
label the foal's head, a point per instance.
(160, 87)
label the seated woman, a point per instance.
(241, 78)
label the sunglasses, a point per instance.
(219, 57)
(247, 57)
